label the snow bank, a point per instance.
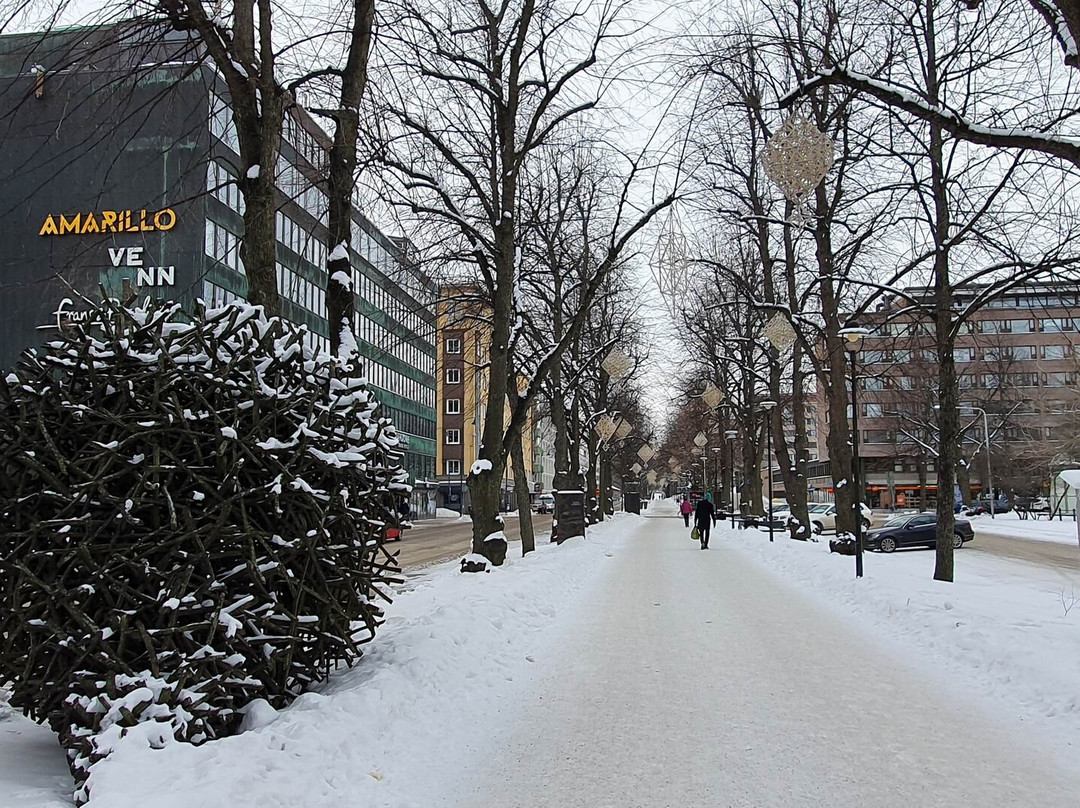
(394, 729)
(446, 513)
(1011, 526)
(1000, 632)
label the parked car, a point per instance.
(823, 516)
(914, 530)
(983, 506)
(545, 503)
(1040, 504)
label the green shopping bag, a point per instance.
(695, 534)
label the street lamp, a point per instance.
(731, 435)
(853, 342)
(767, 408)
(716, 474)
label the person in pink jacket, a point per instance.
(686, 509)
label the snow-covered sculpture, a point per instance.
(192, 514)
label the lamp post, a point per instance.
(716, 474)
(767, 408)
(986, 434)
(853, 341)
(731, 435)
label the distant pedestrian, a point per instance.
(704, 516)
(686, 509)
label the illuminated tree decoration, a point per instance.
(796, 159)
(617, 364)
(671, 262)
(646, 453)
(712, 396)
(779, 333)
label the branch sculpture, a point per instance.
(192, 513)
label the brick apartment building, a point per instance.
(1017, 358)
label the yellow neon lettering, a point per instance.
(70, 225)
(48, 228)
(165, 219)
(90, 224)
(144, 225)
(108, 221)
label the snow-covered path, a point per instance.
(696, 678)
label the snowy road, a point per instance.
(696, 678)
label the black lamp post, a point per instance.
(767, 408)
(731, 435)
(853, 341)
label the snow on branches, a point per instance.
(192, 514)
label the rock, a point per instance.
(474, 563)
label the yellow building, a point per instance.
(464, 336)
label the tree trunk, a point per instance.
(340, 300)
(835, 382)
(948, 392)
(592, 477)
(521, 491)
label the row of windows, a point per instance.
(376, 334)
(1049, 325)
(300, 241)
(223, 245)
(1008, 433)
(398, 310)
(411, 423)
(915, 412)
(304, 293)
(221, 123)
(391, 380)
(292, 182)
(966, 382)
(222, 186)
(971, 354)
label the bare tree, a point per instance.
(479, 90)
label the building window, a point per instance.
(453, 468)
(453, 406)
(453, 375)
(873, 410)
(964, 355)
(1055, 324)
(877, 436)
(453, 437)
(453, 346)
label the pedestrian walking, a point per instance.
(686, 509)
(704, 517)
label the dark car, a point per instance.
(983, 506)
(914, 530)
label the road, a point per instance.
(695, 678)
(1047, 553)
(442, 540)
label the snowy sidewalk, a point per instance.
(695, 678)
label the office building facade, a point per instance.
(122, 176)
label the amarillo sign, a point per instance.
(109, 221)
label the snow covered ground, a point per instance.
(1011, 526)
(634, 669)
(1005, 630)
(393, 731)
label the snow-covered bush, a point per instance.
(191, 517)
